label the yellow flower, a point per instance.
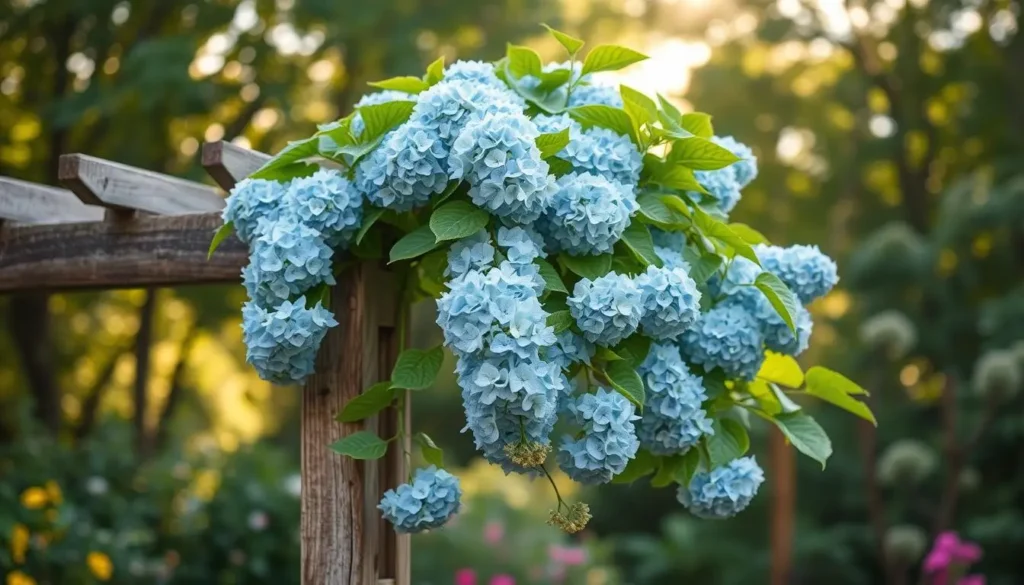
(19, 543)
(19, 578)
(34, 498)
(53, 490)
(100, 565)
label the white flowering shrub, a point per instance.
(575, 237)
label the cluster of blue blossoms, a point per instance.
(512, 367)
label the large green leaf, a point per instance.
(560, 321)
(610, 58)
(571, 43)
(781, 369)
(634, 348)
(361, 445)
(729, 441)
(370, 217)
(626, 381)
(379, 118)
(432, 454)
(702, 265)
(592, 267)
(836, 389)
(413, 244)
(678, 177)
(296, 151)
(698, 124)
(701, 154)
(781, 298)
(417, 369)
(749, 234)
(435, 71)
(552, 281)
(523, 61)
(551, 144)
(405, 84)
(805, 434)
(642, 465)
(457, 220)
(373, 400)
(602, 116)
(714, 229)
(638, 238)
(219, 236)
(688, 467)
(653, 209)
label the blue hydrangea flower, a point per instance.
(376, 99)
(250, 201)
(808, 272)
(726, 337)
(672, 259)
(609, 437)
(497, 153)
(745, 170)
(724, 184)
(327, 202)
(675, 241)
(522, 244)
(725, 491)
(472, 253)
(739, 275)
(570, 348)
(281, 343)
(595, 94)
(600, 151)
(447, 106)
(671, 302)
(493, 309)
(288, 259)
(427, 502)
(673, 419)
(608, 309)
(475, 71)
(550, 124)
(406, 170)
(588, 214)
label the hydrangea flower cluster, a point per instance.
(609, 437)
(724, 491)
(725, 184)
(805, 270)
(608, 309)
(407, 169)
(588, 214)
(278, 341)
(674, 418)
(428, 501)
(671, 302)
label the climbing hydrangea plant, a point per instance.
(575, 238)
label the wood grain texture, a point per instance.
(229, 163)
(101, 182)
(340, 528)
(31, 203)
(145, 251)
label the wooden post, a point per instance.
(343, 539)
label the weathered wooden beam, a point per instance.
(229, 163)
(341, 529)
(100, 182)
(31, 203)
(145, 251)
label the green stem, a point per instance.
(554, 487)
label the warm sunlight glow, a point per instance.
(668, 71)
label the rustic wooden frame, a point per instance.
(119, 226)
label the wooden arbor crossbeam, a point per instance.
(122, 227)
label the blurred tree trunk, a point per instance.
(783, 480)
(143, 342)
(29, 319)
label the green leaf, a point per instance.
(610, 58)
(781, 369)
(640, 107)
(560, 320)
(457, 220)
(408, 84)
(638, 239)
(678, 177)
(749, 234)
(417, 369)
(701, 154)
(614, 119)
(729, 441)
(781, 298)
(670, 467)
(361, 445)
(634, 348)
(373, 400)
(551, 144)
(219, 236)
(765, 396)
(559, 167)
(712, 228)
(552, 281)
(379, 118)
(605, 354)
(453, 185)
(654, 209)
(413, 244)
(691, 462)
(432, 454)
(592, 267)
(523, 61)
(836, 389)
(295, 151)
(670, 110)
(698, 124)
(702, 266)
(571, 44)
(642, 465)
(435, 71)
(806, 435)
(370, 217)
(626, 381)
(551, 80)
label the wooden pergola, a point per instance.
(118, 226)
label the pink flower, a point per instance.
(494, 532)
(949, 550)
(567, 555)
(503, 580)
(972, 580)
(465, 577)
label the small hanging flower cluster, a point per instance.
(575, 237)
